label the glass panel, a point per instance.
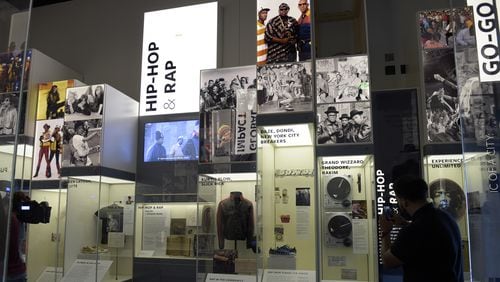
(286, 202)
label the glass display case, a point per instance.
(348, 229)
(225, 241)
(286, 202)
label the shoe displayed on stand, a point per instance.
(284, 250)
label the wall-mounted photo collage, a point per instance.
(343, 100)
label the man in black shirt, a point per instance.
(428, 247)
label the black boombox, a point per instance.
(34, 212)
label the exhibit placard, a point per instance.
(229, 278)
(286, 135)
(173, 54)
(85, 270)
(280, 275)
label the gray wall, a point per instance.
(102, 38)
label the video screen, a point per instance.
(171, 141)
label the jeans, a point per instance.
(17, 278)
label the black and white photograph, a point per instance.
(82, 143)
(344, 123)
(284, 88)
(303, 196)
(446, 28)
(84, 103)
(442, 105)
(447, 195)
(9, 109)
(477, 104)
(343, 79)
(283, 31)
(47, 150)
(227, 88)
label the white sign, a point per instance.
(229, 278)
(279, 275)
(486, 26)
(49, 273)
(286, 135)
(177, 44)
(83, 270)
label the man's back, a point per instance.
(430, 247)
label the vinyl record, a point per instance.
(340, 226)
(338, 188)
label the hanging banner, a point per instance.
(173, 55)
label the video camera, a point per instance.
(34, 212)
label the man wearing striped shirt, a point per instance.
(261, 43)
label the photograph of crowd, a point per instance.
(342, 80)
(82, 143)
(9, 109)
(51, 99)
(283, 31)
(284, 87)
(48, 148)
(84, 102)
(443, 28)
(477, 104)
(11, 71)
(227, 88)
(442, 104)
(344, 123)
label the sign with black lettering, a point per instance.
(286, 135)
(486, 31)
(173, 53)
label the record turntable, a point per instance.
(338, 229)
(337, 189)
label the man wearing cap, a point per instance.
(56, 147)
(354, 129)
(44, 151)
(261, 42)
(157, 152)
(281, 37)
(329, 131)
(304, 32)
(176, 149)
(344, 126)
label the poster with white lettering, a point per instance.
(173, 54)
(344, 123)
(342, 79)
(283, 31)
(284, 88)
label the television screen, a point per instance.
(171, 141)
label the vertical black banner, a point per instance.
(396, 148)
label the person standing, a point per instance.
(304, 33)
(281, 37)
(56, 147)
(43, 152)
(429, 247)
(9, 115)
(176, 149)
(261, 42)
(157, 152)
(53, 103)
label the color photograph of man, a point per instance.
(50, 101)
(286, 36)
(47, 155)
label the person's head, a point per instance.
(357, 116)
(180, 140)
(447, 195)
(46, 127)
(365, 129)
(85, 97)
(210, 83)
(411, 193)
(331, 114)
(6, 101)
(284, 8)
(79, 128)
(17, 199)
(344, 119)
(159, 137)
(53, 89)
(263, 14)
(57, 129)
(303, 6)
(98, 91)
(469, 23)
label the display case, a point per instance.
(286, 202)
(225, 241)
(348, 226)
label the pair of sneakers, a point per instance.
(283, 250)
